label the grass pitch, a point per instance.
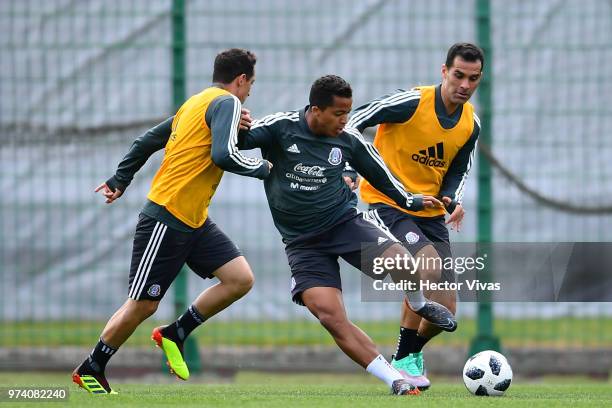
(308, 390)
(559, 333)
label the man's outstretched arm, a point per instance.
(141, 149)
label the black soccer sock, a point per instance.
(185, 324)
(97, 359)
(405, 342)
(419, 342)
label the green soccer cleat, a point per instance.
(93, 383)
(173, 352)
(413, 369)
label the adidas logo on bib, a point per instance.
(433, 156)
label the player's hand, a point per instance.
(245, 119)
(431, 202)
(352, 184)
(456, 218)
(108, 193)
(270, 165)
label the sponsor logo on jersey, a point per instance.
(295, 177)
(335, 156)
(154, 290)
(315, 171)
(382, 240)
(293, 149)
(298, 186)
(433, 156)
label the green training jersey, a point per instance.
(305, 190)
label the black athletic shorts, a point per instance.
(160, 252)
(416, 233)
(313, 258)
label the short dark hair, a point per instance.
(325, 88)
(468, 51)
(233, 62)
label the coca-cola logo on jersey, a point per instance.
(316, 171)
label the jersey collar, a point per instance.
(446, 121)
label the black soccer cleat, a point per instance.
(403, 387)
(438, 315)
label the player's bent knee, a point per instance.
(403, 270)
(430, 268)
(243, 284)
(334, 323)
(149, 307)
(144, 308)
(236, 276)
(395, 250)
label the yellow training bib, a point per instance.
(419, 151)
(187, 178)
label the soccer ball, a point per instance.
(487, 373)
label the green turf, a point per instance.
(326, 390)
(550, 333)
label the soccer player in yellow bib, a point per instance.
(174, 227)
(427, 137)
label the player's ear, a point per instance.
(242, 79)
(444, 70)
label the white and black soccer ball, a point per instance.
(487, 373)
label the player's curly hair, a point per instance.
(325, 88)
(233, 62)
(468, 51)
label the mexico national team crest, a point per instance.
(335, 156)
(412, 238)
(154, 290)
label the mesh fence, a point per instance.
(80, 80)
